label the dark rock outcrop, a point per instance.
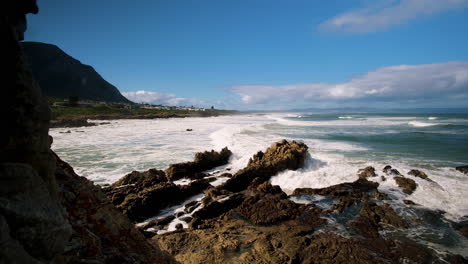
(278, 157)
(61, 75)
(203, 161)
(47, 213)
(71, 122)
(407, 185)
(462, 169)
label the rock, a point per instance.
(384, 214)
(189, 129)
(179, 214)
(98, 227)
(157, 222)
(216, 208)
(409, 202)
(186, 219)
(462, 169)
(203, 161)
(268, 209)
(367, 172)
(394, 172)
(420, 174)
(141, 180)
(387, 169)
(179, 226)
(70, 122)
(407, 185)
(278, 157)
(357, 189)
(383, 178)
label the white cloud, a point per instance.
(160, 98)
(383, 14)
(440, 81)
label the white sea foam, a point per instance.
(345, 117)
(432, 118)
(422, 124)
(107, 152)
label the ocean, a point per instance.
(339, 145)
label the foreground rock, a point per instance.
(278, 157)
(203, 161)
(47, 213)
(266, 227)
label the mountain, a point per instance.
(60, 75)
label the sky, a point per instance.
(268, 54)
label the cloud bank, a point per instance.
(440, 81)
(160, 98)
(383, 14)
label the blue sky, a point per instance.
(269, 54)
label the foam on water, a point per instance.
(107, 152)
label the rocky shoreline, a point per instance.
(245, 219)
(83, 120)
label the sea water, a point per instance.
(339, 145)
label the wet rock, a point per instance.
(387, 169)
(149, 201)
(380, 196)
(188, 129)
(383, 178)
(367, 172)
(407, 185)
(409, 202)
(462, 169)
(179, 214)
(420, 174)
(278, 157)
(382, 214)
(186, 219)
(157, 222)
(203, 161)
(189, 207)
(179, 226)
(216, 208)
(394, 172)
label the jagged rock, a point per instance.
(407, 185)
(203, 161)
(280, 156)
(420, 174)
(462, 169)
(367, 172)
(141, 180)
(146, 203)
(98, 227)
(357, 189)
(383, 178)
(394, 172)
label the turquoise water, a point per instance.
(439, 138)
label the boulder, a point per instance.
(203, 161)
(407, 185)
(367, 172)
(278, 157)
(387, 169)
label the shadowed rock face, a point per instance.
(48, 214)
(60, 75)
